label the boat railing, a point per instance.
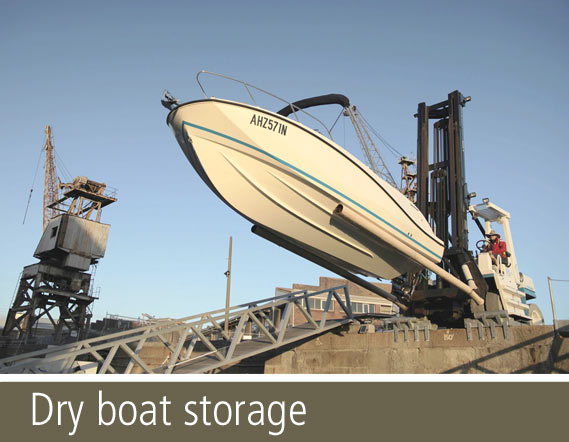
(251, 88)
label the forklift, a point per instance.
(443, 198)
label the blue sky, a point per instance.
(95, 71)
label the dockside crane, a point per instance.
(59, 287)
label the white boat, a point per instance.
(299, 185)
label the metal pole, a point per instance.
(552, 306)
(228, 274)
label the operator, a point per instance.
(496, 247)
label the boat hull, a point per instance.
(284, 176)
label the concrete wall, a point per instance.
(528, 350)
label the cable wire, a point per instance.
(392, 149)
(337, 118)
(32, 188)
(67, 175)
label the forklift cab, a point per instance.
(491, 213)
(504, 278)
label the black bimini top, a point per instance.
(321, 100)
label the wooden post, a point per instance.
(228, 275)
(552, 306)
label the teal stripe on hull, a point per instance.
(300, 171)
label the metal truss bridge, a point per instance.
(195, 344)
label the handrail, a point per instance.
(248, 85)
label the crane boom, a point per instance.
(51, 182)
(371, 152)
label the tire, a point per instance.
(535, 315)
(493, 302)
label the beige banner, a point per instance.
(282, 411)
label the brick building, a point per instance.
(363, 301)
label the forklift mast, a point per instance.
(443, 198)
(442, 194)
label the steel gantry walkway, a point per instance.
(194, 344)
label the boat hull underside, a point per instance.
(278, 194)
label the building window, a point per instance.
(53, 232)
(318, 304)
(359, 307)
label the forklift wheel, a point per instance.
(535, 315)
